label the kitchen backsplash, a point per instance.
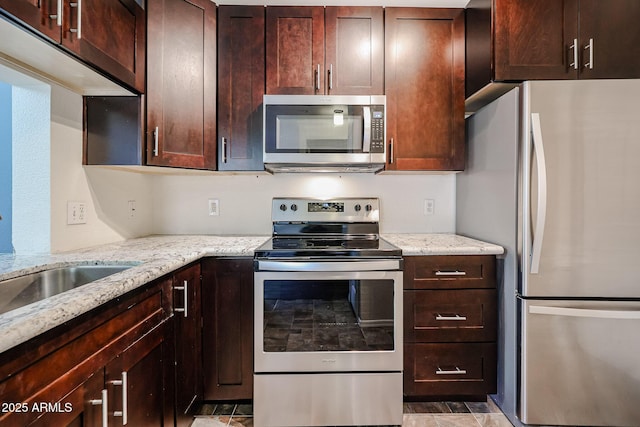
(180, 203)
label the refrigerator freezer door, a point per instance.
(591, 149)
(580, 363)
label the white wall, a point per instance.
(105, 192)
(180, 203)
(30, 167)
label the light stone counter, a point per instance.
(441, 244)
(154, 257)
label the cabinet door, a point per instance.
(80, 408)
(110, 35)
(533, 39)
(240, 87)
(134, 383)
(609, 39)
(43, 16)
(181, 83)
(424, 83)
(354, 45)
(188, 341)
(295, 50)
(227, 294)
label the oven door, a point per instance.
(323, 130)
(317, 317)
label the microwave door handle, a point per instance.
(366, 137)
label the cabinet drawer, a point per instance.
(449, 369)
(450, 315)
(449, 272)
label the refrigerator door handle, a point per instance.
(538, 146)
(585, 312)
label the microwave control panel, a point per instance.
(377, 129)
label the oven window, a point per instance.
(342, 315)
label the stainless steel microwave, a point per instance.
(304, 133)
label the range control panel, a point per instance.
(332, 210)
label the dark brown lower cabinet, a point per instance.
(450, 370)
(187, 323)
(76, 373)
(450, 327)
(227, 312)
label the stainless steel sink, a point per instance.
(23, 290)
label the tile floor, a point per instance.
(423, 414)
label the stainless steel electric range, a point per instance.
(328, 317)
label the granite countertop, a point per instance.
(153, 257)
(441, 244)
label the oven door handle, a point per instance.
(312, 266)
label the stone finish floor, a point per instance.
(422, 414)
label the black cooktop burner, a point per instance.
(291, 247)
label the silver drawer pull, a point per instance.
(451, 273)
(457, 371)
(185, 289)
(454, 317)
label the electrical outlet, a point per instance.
(132, 208)
(76, 213)
(429, 206)
(214, 207)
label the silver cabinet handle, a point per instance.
(439, 317)
(318, 78)
(589, 64)
(185, 289)
(124, 384)
(391, 151)
(330, 76)
(58, 15)
(155, 141)
(224, 149)
(538, 146)
(105, 409)
(451, 273)
(457, 371)
(574, 46)
(78, 30)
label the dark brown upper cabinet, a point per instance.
(43, 16)
(333, 50)
(240, 87)
(424, 84)
(295, 50)
(354, 50)
(181, 84)
(106, 34)
(516, 40)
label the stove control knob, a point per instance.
(283, 207)
(368, 208)
(358, 208)
(294, 207)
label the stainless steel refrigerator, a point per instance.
(553, 175)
